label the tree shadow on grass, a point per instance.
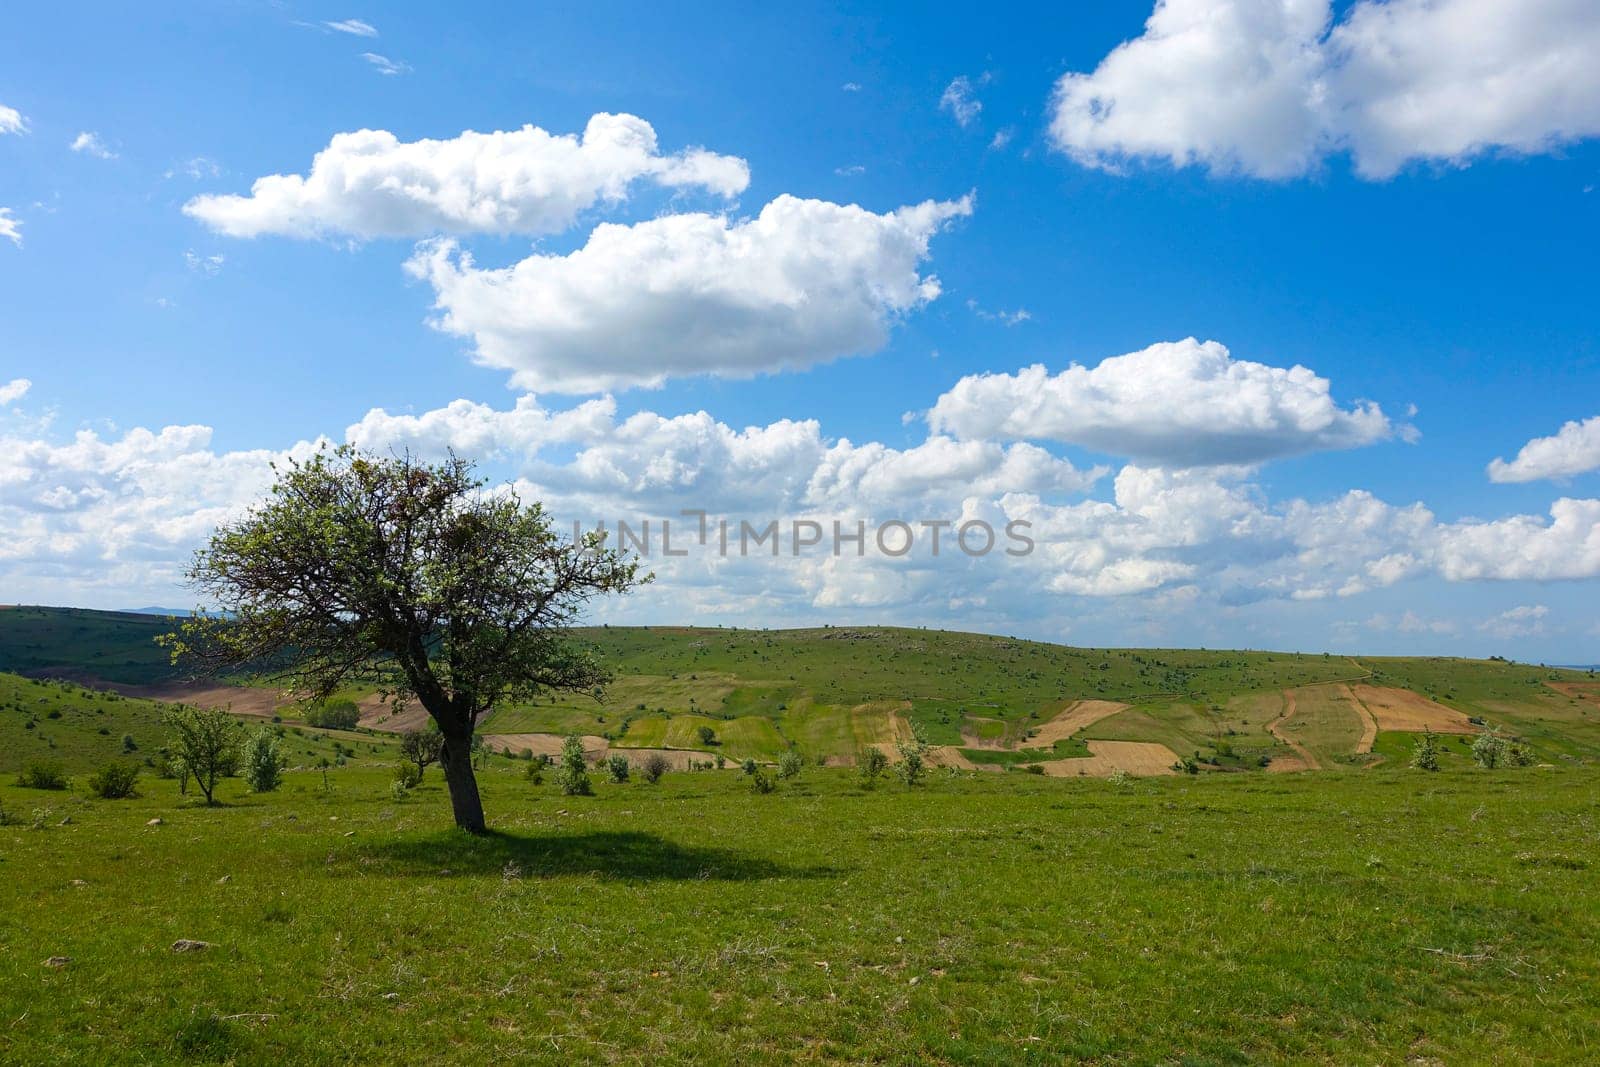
(628, 855)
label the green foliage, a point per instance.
(115, 781)
(913, 765)
(654, 766)
(43, 774)
(871, 762)
(1425, 756)
(790, 764)
(422, 747)
(707, 735)
(761, 784)
(748, 767)
(336, 714)
(1489, 749)
(572, 773)
(263, 760)
(404, 574)
(204, 746)
(406, 775)
(617, 768)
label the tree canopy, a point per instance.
(417, 578)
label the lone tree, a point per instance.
(205, 744)
(409, 574)
(421, 747)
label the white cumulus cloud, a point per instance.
(1575, 449)
(12, 120)
(14, 390)
(803, 282)
(1175, 404)
(1270, 87)
(10, 226)
(90, 144)
(369, 183)
(960, 99)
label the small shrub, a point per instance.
(573, 771)
(129, 744)
(654, 766)
(42, 775)
(263, 762)
(748, 766)
(1425, 754)
(760, 783)
(406, 776)
(707, 735)
(617, 768)
(1489, 749)
(1186, 765)
(114, 781)
(913, 765)
(1120, 778)
(871, 762)
(398, 790)
(535, 772)
(790, 764)
(1034, 768)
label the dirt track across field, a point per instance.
(1302, 760)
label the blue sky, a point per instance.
(1433, 259)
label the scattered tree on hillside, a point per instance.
(341, 714)
(1425, 755)
(1489, 749)
(263, 763)
(708, 736)
(413, 575)
(204, 745)
(421, 747)
(573, 773)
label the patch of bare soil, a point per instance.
(594, 748)
(1401, 709)
(1302, 760)
(1076, 716)
(379, 714)
(1142, 758)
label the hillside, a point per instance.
(981, 701)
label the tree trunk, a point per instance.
(456, 759)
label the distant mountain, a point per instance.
(182, 613)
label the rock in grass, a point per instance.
(56, 963)
(183, 944)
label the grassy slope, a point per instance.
(810, 684)
(1396, 917)
(86, 729)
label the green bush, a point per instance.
(406, 775)
(708, 736)
(760, 783)
(748, 766)
(42, 774)
(1489, 749)
(263, 764)
(115, 781)
(913, 765)
(1425, 754)
(341, 714)
(871, 761)
(617, 768)
(573, 771)
(790, 764)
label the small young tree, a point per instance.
(748, 766)
(205, 744)
(380, 568)
(263, 762)
(617, 768)
(707, 735)
(913, 765)
(1425, 754)
(871, 762)
(573, 773)
(790, 764)
(422, 747)
(1489, 749)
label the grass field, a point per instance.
(1353, 918)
